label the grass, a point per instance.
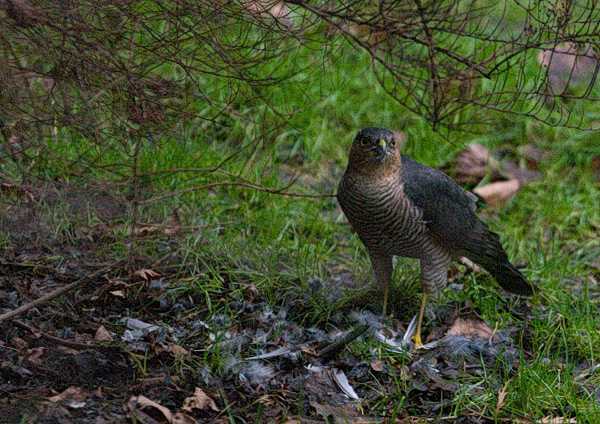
(282, 245)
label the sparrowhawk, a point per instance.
(400, 207)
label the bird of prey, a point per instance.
(400, 207)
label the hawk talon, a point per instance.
(418, 342)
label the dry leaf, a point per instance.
(404, 373)
(568, 67)
(470, 326)
(471, 165)
(340, 413)
(19, 343)
(172, 224)
(146, 274)
(175, 349)
(72, 394)
(557, 420)
(377, 365)
(471, 266)
(501, 396)
(365, 33)
(199, 400)
(118, 293)
(514, 172)
(143, 402)
(67, 350)
(533, 155)
(309, 351)
(34, 355)
(103, 335)
(273, 8)
(495, 194)
(251, 292)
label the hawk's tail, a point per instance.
(509, 278)
(492, 257)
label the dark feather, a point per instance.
(449, 213)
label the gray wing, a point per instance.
(448, 209)
(449, 212)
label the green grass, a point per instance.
(280, 244)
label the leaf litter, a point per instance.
(158, 346)
(502, 172)
(265, 354)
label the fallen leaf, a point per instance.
(471, 165)
(533, 155)
(199, 400)
(524, 175)
(309, 351)
(495, 194)
(471, 266)
(172, 225)
(340, 413)
(146, 274)
(143, 402)
(34, 355)
(118, 293)
(21, 371)
(557, 420)
(103, 335)
(19, 343)
(72, 394)
(366, 33)
(377, 365)
(67, 350)
(251, 292)
(501, 396)
(567, 66)
(176, 349)
(470, 326)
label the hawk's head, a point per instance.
(374, 150)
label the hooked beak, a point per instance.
(382, 146)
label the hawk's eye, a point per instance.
(393, 143)
(364, 141)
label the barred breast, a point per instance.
(387, 222)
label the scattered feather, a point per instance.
(279, 352)
(340, 378)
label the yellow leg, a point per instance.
(417, 336)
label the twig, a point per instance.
(64, 342)
(238, 184)
(59, 291)
(338, 346)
